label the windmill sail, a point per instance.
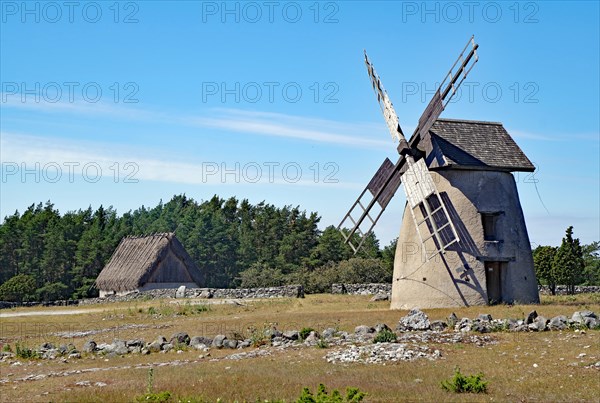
(428, 210)
(376, 196)
(447, 89)
(389, 114)
(427, 207)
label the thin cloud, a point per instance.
(233, 120)
(49, 153)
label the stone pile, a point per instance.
(413, 333)
(381, 353)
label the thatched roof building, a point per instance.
(148, 262)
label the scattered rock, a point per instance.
(200, 342)
(180, 338)
(135, 343)
(245, 344)
(329, 333)
(464, 325)
(219, 340)
(484, 317)
(452, 320)
(531, 317)
(312, 338)
(180, 293)
(155, 346)
(438, 325)
(558, 323)
(381, 353)
(415, 320)
(538, 324)
(380, 297)
(363, 330)
(291, 335)
(119, 347)
(46, 346)
(380, 327)
(205, 294)
(89, 346)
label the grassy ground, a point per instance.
(559, 373)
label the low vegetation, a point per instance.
(385, 336)
(519, 366)
(460, 383)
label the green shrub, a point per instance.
(6, 348)
(460, 383)
(322, 343)
(25, 352)
(201, 308)
(18, 288)
(53, 291)
(259, 337)
(162, 397)
(385, 336)
(305, 332)
(353, 395)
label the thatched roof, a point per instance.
(470, 144)
(136, 258)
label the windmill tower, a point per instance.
(463, 239)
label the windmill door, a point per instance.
(493, 281)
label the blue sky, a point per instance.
(127, 103)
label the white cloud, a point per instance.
(20, 151)
(232, 120)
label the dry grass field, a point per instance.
(529, 367)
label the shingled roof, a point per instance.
(469, 144)
(136, 258)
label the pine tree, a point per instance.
(543, 262)
(568, 262)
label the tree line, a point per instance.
(46, 256)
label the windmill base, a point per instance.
(492, 263)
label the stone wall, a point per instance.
(362, 289)
(288, 291)
(562, 289)
(384, 288)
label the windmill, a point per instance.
(451, 242)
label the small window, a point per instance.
(489, 222)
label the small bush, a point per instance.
(460, 383)
(201, 308)
(258, 337)
(353, 395)
(305, 332)
(162, 397)
(385, 336)
(6, 348)
(25, 352)
(322, 343)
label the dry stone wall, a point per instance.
(288, 291)
(384, 288)
(362, 289)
